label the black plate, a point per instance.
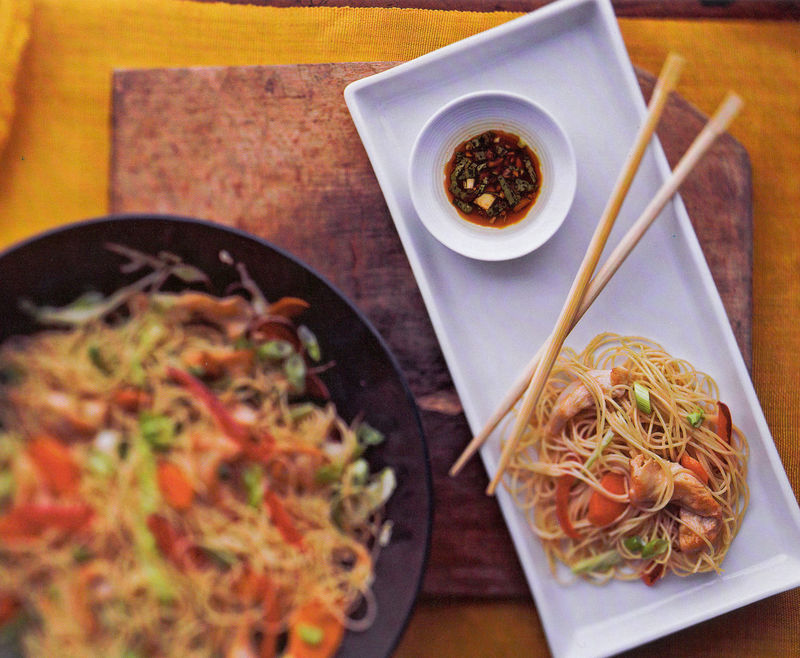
(55, 267)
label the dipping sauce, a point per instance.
(493, 179)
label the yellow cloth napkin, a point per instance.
(55, 166)
(14, 31)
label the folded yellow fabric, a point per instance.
(15, 18)
(55, 166)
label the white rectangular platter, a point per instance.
(490, 317)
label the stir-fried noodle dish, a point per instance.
(631, 467)
(174, 482)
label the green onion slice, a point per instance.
(642, 396)
(696, 418)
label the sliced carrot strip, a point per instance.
(174, 486)
(603, 510)
(695, 467)
(55, 464)
(328, 631)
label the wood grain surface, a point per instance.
(273, 150)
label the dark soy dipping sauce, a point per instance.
(493, 179)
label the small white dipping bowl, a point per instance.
(466, 117)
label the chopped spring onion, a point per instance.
(328, 473)
(310, 342)
(696, 418)
(295, 371)
(275, 350)
(601, 445)
(98, 361)
(310, 634)
(368, 435)
(642, 396)
(359, 471)
(6, 484)
(385, 535)
(633, 543)
(158, 430)
(600, 562)
(82, 554)
(300, 411)
(253, 480)
(100, 463)
(654, 548)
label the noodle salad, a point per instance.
(175, 481)
(631, 467)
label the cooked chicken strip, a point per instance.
(690, 536)
(577, 396)
(648, 480)
(699, 511)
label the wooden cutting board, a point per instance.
(273, 150)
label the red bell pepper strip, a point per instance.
(282, 520)
(175, 545)
(563, 485)
(9, 607)
(55, 464)
(29, 520)
(232, 428)
(724, 423)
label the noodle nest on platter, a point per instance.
(630, 466)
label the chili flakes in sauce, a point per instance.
(493, 179)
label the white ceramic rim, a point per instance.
(465, 117)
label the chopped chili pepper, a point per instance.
(653, 574)
(563, 485)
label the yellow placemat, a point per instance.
(15, 16)
(55, 166)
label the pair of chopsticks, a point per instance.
(585, 289)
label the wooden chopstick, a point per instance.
(667, 80)
(717, 125)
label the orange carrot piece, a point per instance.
(55, 464)
(254, 587)
(563, 486)
(603, 510)
(695, 467)
(131, 399)
(315, 617)
(174, 486)
(288, 307)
